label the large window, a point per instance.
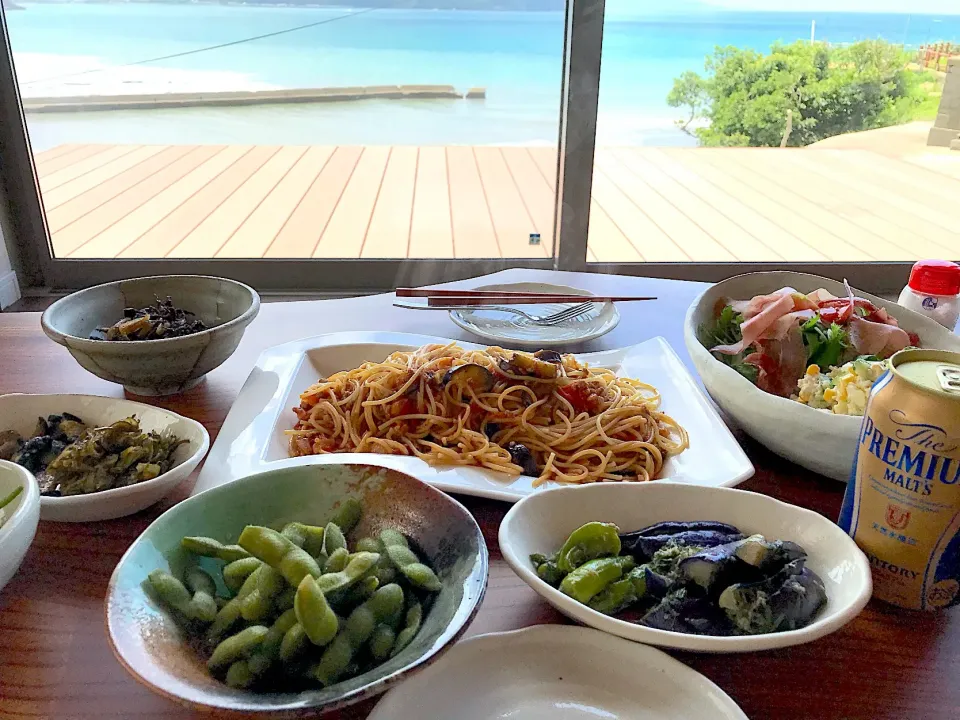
(342, 146)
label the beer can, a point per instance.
(902, 505)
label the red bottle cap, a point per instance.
(935, 277)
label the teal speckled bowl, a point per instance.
(153, 648)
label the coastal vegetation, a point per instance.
(803, 92)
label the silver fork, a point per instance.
(541, 320)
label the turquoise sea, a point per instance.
(516, 56)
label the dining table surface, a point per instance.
(56, 661)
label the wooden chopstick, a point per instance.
(499, 297)
(447, 300)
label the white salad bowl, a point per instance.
(22, 515)
(541, 523)
(20, 413)
(817, 439)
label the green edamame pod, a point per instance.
(333, 539)
(356, 569)
(353, 596)
(284, 601)
(348, 515)
(259, 603)
(237, 646)
(411, 568)
(269, 650)
(389, 537)
(230, 613)
(588, 542)
(239, 570)
(239, 675)
(387, 574)
(279, 552)
(313, 613)
(221, 601)
(367, 544)
(356, 631)
(337, 561)
(309, 537)
(208, 547)
(294, 642)
(173, 592)
(381, 642)
(593, 576)
(410, 629)
(204, 606)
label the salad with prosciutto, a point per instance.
(777, 340)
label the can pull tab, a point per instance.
(949, 377)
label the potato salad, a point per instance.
(842, 390)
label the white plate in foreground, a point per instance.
(517, 331)
(20, 412)
(556, 672)
(253, 437)
(542, 522)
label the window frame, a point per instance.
(580, 96)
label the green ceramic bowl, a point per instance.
(153, 648)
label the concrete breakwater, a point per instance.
(246, 97)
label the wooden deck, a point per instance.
(649, 204)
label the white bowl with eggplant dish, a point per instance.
(153, 335)
(688, 568)
(98, 458)
(791, 358)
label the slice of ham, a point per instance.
(874, 338)
(780, 363)
(752, 307)
(819, 295)
(773, 316)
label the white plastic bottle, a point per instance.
(934, 291)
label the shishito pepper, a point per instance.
(590, 541)
(593, 576)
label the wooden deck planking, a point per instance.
(431, 225)
(344, 234)
(473, 233)
(124, 233)
(389, 231)
(258, 231)
(300, 234)
(649, 204)
(835, 204)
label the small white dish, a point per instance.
(20, 412)
(541, 523)
(556, 672)
(815, 439)
(509, 330)
(253, 437)
(22, 515)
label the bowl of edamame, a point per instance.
(297, 590)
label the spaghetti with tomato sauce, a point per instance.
(540, 414)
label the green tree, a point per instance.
(746, 95)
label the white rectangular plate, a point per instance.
(253, 437)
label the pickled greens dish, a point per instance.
(815, 348)
(702, 578)
(69, 457)
(302, 608)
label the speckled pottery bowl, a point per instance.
(153, 648)
(154, 367)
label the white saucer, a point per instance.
(516, 331)
(556, 672)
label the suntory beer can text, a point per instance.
(902, 505)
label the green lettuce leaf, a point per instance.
(726, 331)
(825, 344)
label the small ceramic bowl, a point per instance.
(150, 644)
(541, 523)
(22, 515)
(20, 413)
(154, 367)
(816, 439)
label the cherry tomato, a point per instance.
(577, 395)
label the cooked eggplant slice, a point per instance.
(715, 568)
(675, 528)
(643, 547)
(769, 556)
(787, 600)
(682, 612)
(521, 455)
(473, 376)
(524, 364)
(550, 356)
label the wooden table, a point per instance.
(54, 657)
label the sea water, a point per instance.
(515, 56)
